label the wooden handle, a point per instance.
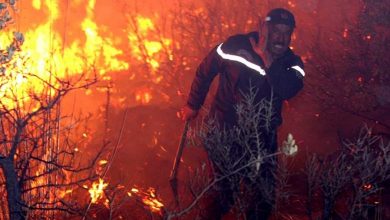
(179, 152)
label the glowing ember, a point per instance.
(291, 4)
(65, 192)
(96, 191)
(107, 203)
(345, 33)
(367, 187)
(153, 204)
(103, 162)
(148, 198)
(143, 96)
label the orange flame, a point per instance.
(65, 192)
(96, 190)
(143, 96)
(149, 49)
(44, 56)
(103, 162)
(149, 199)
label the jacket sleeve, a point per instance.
(205, 74)
(287, 79)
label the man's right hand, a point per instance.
(260, 47)
(188, 113)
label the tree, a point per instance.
(351, 75)
(38, 158)
(354, 175)
(39, 162)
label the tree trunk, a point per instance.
(328, 208)
(15, 208)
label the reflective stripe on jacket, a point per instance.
(239, 67)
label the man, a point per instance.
(260, 59)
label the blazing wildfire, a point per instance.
(91, 94)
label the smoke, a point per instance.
(152, 129)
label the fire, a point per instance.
(345, 33)
(96, 190)
(153, 203)
(103, 162)
(148, 49)
(95, 43)
(367, 187)
(148, 198)
(65, 192)
(40, 180)
(134, 190)
(36, 4)
(44, 55)
(291, 4)
(143, 96)
(47, 54)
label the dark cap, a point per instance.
(280, 16)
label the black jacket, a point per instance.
(240, 67)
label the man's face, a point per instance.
(279, 38)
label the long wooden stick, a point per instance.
(175, 168)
